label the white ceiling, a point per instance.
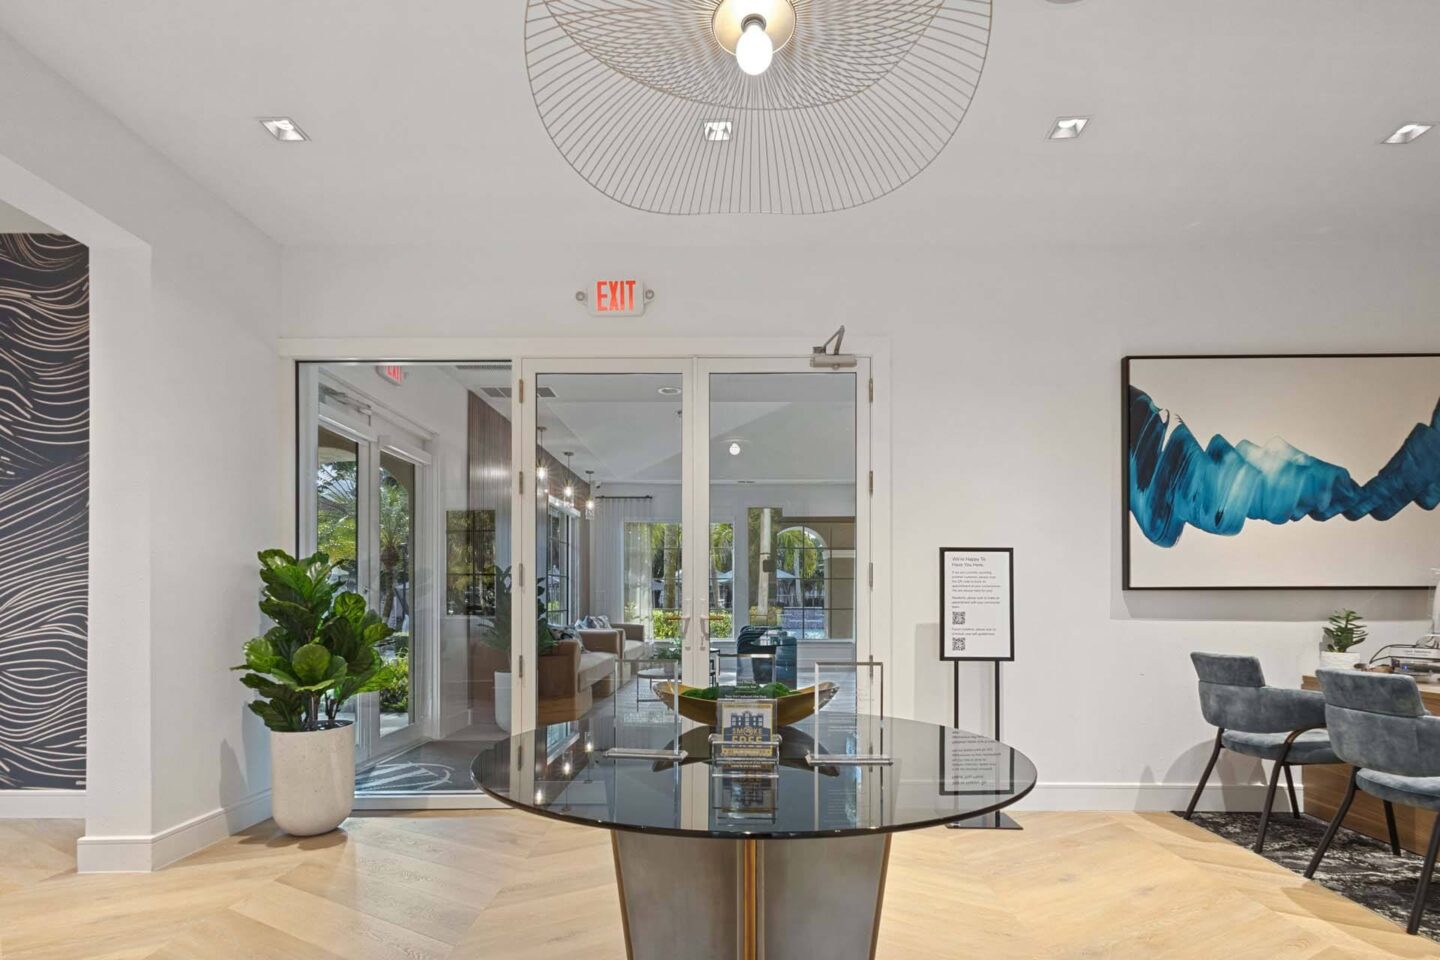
(1214, 119)
(790, 427)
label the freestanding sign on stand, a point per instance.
(977, 622)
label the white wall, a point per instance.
(1005, 390)
(187, 403)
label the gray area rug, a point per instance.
(1357, 867)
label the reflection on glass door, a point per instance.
(782, 493)
(609, 575)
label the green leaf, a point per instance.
(310, 663)
(260, 655)
(349, 606)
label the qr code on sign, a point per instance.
(957, 618)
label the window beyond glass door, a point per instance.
(783, 469)
(654, 577)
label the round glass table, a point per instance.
(712, 862)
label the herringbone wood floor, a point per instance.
(504, 885)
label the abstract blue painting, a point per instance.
(1226, 507)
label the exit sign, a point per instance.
(617, 298)
(392, 372)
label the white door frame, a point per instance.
(698, 420)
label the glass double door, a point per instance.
(700, 518)
(367, 511)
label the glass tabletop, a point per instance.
(937, 775)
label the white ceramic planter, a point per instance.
(1331, 660)
(502, 701)
(312, 778)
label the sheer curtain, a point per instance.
(607, 552)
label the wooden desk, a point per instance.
(1325, 788)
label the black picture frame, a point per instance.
(944, 619)
(1126, 580)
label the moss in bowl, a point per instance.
(701, 703)
(769, 691)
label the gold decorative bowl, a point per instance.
(788, 710)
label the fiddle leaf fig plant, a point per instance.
(320, 652)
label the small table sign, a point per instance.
(746, 744)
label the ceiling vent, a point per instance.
(496, 393)
(545, 393)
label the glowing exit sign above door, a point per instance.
(616, 298)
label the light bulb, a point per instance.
(755, 49)
(734, 448)
(569, 491)
(590, 504)
(541, 474)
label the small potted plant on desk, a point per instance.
(319, 654)
(1346, 631)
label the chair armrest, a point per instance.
(631, 631)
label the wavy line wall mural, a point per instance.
(1222, 508)
(44, 509)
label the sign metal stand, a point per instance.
(998, 820)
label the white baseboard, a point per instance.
(42, 804)
(142, 853)
(1238, 797)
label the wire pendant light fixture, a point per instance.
(753, 106)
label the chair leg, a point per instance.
(1390, 826)
(1423, 890)
(1290, 787)
(1200, 787)
(1334, 827)
(1269, 804)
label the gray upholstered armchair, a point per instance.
(1277, 724)
(1379, 725)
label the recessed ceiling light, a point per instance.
(668, 391)
(1068, 128)
(1409, 133)
(283, 129)
(734, 448)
